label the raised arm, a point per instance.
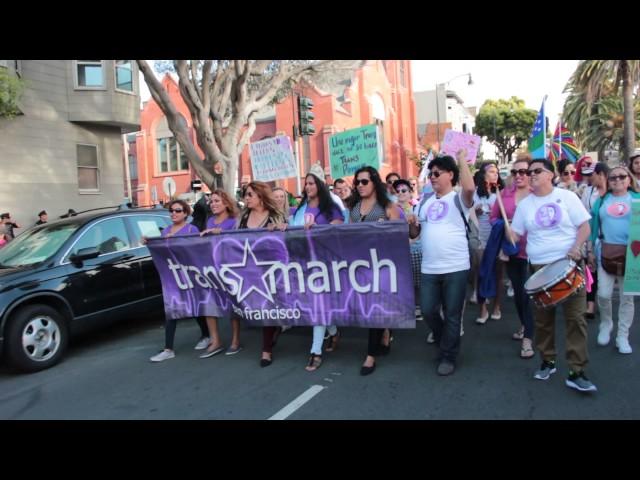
(466, 179)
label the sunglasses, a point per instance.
(613, 178)
(536, 171)
(402, 190)
(364, 182)
(434, 174)
(176, 210)
(522, 172)
(390, 182)
(569, 172)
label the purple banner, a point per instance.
(348, 275)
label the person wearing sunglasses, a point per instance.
(390, 178)
(223, 218)
(596, 186)
(261, 211)
(441, 223)
(557, 226)
(370, 203)
(179, 211)
(611, 219)
(518, 265)
(567, 176)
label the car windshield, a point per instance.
(36, 245)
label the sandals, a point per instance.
(519, 335)
(314, 363)
(527, 351)
(332, 342)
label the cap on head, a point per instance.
(635, 154)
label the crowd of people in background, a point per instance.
(498, 233)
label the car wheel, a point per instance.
(37, 337)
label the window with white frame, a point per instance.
(124, 75)
(171, 158)
(88, 168)
(89, 74)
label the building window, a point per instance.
(124, 75)
(170, 156)
(133, 161)
(402, 82)
(88, 170)
(89, 74)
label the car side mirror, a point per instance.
(84, 254)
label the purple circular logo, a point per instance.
(548, 216)
(437, 211)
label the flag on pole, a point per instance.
(538, 139)
(562, 139)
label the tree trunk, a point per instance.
(629, 123)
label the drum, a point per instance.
(554, 283)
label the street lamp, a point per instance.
(470, 82)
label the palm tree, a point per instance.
(595, 80)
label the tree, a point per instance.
(595, 80)
(223, 97)
(505, 123)
(11, 89)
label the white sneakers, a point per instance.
(202, 344)
(623, 345)
(604, 336)
(163, 355)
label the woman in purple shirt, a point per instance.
(224, 218)
(179, 210)
(317, 208)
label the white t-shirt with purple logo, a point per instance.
(443, 235)
(551, 223)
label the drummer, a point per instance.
(557, 225)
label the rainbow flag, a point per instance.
(562, 138)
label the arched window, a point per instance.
(169, 154)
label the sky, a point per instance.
(529, 80)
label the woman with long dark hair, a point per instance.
(370, 203)
(261, 211)
(318, 208)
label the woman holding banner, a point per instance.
(318, 208)
(370, 203)
(260, 212)
(179, 210)
(224, 218)
(610, 223)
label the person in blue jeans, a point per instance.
(445, 264)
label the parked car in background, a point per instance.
(72, 275)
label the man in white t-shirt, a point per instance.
(557, 225)
(445, 253)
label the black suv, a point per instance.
(74, 274)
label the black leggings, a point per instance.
(375, 340)
(170, 331)
(591, 296)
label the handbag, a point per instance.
(613, 258)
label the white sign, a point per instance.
(169, 186)
(272, 159)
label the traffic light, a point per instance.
(305, 116)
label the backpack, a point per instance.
(472, 230)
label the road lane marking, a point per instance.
(298, 402)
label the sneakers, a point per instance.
(580, 382)
(233, 350)
(202, 344)
(604, 335)
(210, 353)
(623, 345)
(546, 370)
(510, 292)
(163, 355)
(446, 368)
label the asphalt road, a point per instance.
(107, 375)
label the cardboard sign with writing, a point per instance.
(454, 141)
(353, 149)
(272, 159)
